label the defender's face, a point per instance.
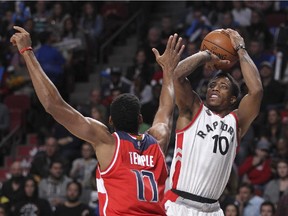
(218, 95)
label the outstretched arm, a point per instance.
(87, 129)
(250, 104)
(162, 124)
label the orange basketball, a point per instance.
(219, 44)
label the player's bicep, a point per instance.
(248, 110)
(161, 132)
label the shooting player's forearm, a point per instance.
(250, 73)
(189, 64)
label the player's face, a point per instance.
(218, 94)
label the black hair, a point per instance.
(78, 185)
(35, 193)
(268, 203)
(246, 185)
(124, 111)
(56, 161)
(235, 88)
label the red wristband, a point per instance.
(25, 49)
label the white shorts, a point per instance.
(184, 207)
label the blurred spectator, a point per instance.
(237, 75)
(75, 52)
(115, 80)
(241, 13)
(53, 188)
(256, 169)
(273, 89)
(141, 89)
(249, 203)
(114, 13)
(149, 109)
(231, 210)
(273, 126)
(258, 54)
(167, 28)
(43, 159)
(284, 111)
(282, 207)
(95, 100)
(267, 209)
(202, 86)
(276, 187)
(56, 19)
(51, 60)
(140, 67)
(3, 211)
(281, 149)
(69, 145)
(82, 168)
(228, 21)
(259, 29)
(41, 16)
(97, 114)
(153, 40)
(29, 27)
(246, 146)
(4, 120)
(91, 23)
(198, 23)
(72, 206)
(13, 188)
(31, 204)
(6, 26)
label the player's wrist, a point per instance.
(208, 55)
(25, 49)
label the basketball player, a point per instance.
(207, 133)
(132, 170)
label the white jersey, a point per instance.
(204, 154)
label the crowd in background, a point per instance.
(66, 37)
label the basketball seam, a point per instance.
(220, 47)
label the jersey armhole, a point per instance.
(115, 156)
(193, 120)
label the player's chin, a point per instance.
(213, 103)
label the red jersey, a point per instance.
(134, 182)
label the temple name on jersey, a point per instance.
(213, 126)
(141, 160)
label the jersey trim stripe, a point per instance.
(178, 158)
(101, 189)
(237, 127)
(193, 120)
(115, 156)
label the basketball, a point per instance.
(219, 43)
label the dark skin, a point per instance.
(219, 98)
(91, 130)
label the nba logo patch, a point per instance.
(208, 112)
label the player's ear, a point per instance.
(110, 121)
(233, 100)
(140, 119)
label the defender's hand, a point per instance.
(21, 39)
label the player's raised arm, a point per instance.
(250, 104)
(87, 129)
(162, 124)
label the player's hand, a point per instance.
(21, 39)
(214, 62)
(235, 37)
(172, 54)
